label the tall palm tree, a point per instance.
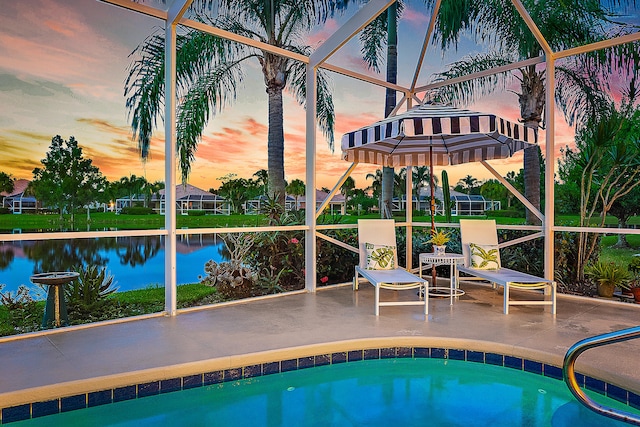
(209, 71)
(498, 24)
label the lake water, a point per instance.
(135, 262)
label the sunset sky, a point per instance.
(63, 68)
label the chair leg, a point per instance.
(377, 300)
(506, 299)
(355, 280)
(425, 289)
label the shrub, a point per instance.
(504, 213)
(196, 213)
(89, 291)
(20, 299)
(4, 210)
(23, 314)
(527, 257)
(137, 210)
(334, 263)
(566, 262)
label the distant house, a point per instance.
(255, 206)
(337, 205)
(188, 198)
(17, 201)
(462, 204)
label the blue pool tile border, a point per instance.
(85, 400)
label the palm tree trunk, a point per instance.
(388, 175)
(532, 100)
(275, 145)
(532, 181)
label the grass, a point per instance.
(120, 304)
(102, 220)
(619, 255)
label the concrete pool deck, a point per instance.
(84, 359)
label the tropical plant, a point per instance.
(607, 276)
(90, 289)
(438, 238)
(209, 71)
(498, 24)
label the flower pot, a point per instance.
(605, 290)
(636, 294)
(439, 250)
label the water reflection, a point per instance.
(135, 262)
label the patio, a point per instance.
(77, 360)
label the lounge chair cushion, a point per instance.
(484, 257)
(380, 257)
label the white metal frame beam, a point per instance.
(319, 59)
(176, 10)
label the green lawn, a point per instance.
(102, 220)
(119, 305)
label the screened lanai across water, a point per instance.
(174, 14)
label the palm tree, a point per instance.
(497, 23)
(262, 180)
(348, 187)
(468, 183)
(376, 184)
(296, 188)
(421, 176)
(209, 70)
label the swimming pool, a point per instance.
(379, 392)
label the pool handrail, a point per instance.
(568, 372)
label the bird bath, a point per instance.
(55, 312)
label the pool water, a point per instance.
(384, 392)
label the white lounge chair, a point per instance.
(480, 240)
(379, 264)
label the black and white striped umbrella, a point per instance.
(453, 135)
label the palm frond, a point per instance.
(297, 84)
(210, 92)
(466, 92)
(144, 90)
(373, 39)
(579, 94)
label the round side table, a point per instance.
(449, 259)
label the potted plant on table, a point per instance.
(608, 276)
(634, 284)
(439, 241)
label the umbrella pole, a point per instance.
(432, 208)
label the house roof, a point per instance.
(185, 190)
(322, 195)
(19, 187)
